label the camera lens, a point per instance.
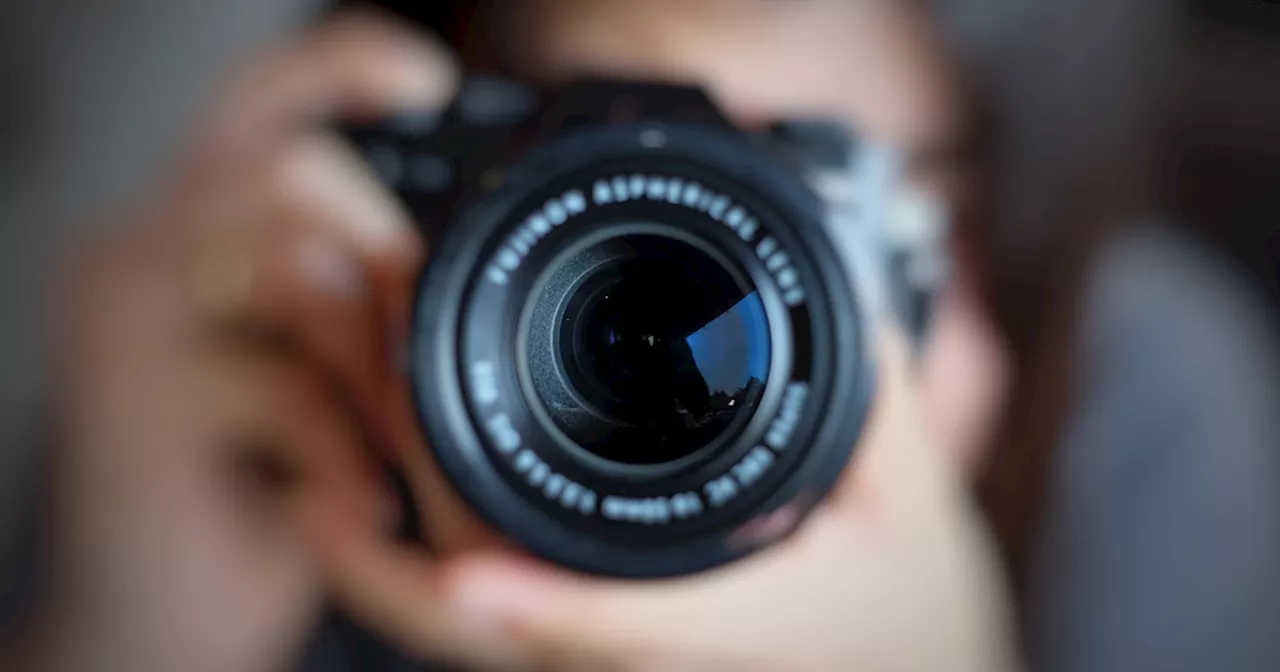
(664, 346)
(640, 353)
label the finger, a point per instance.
(212, 408)
(320, 182)
(568, 618)
(727, 619)
(306, 296)
(316, 190)
(153, 290)
(447, 521)
(306, 246)
(397, 591)
(278, 429)
(358, 64)
(189, 490)
(284, 444)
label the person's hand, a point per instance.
(229, 368)
(227, 363)
(893, 574)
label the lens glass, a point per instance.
(665, 346)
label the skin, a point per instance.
(174, 381)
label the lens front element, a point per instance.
(665, 346)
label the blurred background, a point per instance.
(94, 96)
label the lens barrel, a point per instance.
(640, 351)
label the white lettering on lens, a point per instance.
(484, 380)
(753, 466)
(601, 193)
(674, 185)
(783, 426)
(612, 508)
(525, 460)
(766, 247)
(686, 505)
(692, 192)
(496, 275)
(651, 511)
(575, 203)
(553, 213)
(718, 205)
(541, 225)
(577, 497)
(738, 220)
(539, 474)
(522, 240)
(704, 201)
(554, 486)
(556, 213)
(779, 263)
(569, 495)
(504, 436)
(637, 187)
(720, 491)
(622, 188)
(587, 504)
(744, 474)
(508, 259)
(787, 278)
(656, 189)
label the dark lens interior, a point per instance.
(665, 347)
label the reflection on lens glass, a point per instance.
(667, 346)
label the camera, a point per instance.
(642, 342)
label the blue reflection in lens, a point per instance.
(733, 348)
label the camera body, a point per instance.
(642, 342)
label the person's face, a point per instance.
(874, 64)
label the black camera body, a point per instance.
(642, 343)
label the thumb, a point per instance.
(564, 616)
(359, 64)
